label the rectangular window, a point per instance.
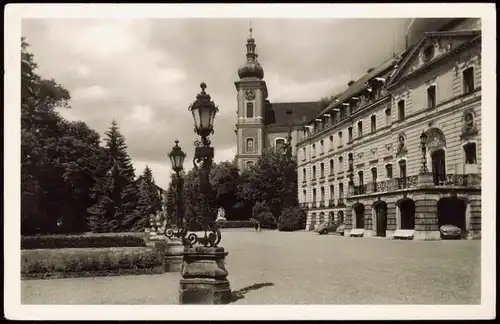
(314, 172)
(250, 145)
(401, 110)
(341, 164)
(249, 110)
(331, 142)
(341, 190)
(361, 178)
(388, 171)
(340, 138)
(373, 122)
(431, 97)
(304, 174)
(468, 80)
(332, 191)
(321, 143)
(322, 194)
(313, 153)
(322, 169)
(304, 153)
(349, 133)
(388, 118)
(360, 128)
(402, 169)
(470, 153)
(314, 194)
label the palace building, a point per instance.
(398, 153)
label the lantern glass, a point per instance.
(177, 157)
(423, 138)
(196, 117)
(206, 118)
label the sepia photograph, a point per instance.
(232, 157)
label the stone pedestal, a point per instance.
(173, 256)
(204, 277)
(425, 179)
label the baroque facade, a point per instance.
(399, 151)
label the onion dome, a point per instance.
(252, 68)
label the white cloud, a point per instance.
(92, 93)
(222, 155)
(141, 114)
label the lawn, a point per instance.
(271, 267)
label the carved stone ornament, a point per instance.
(360, 155)
(388, 146)
(373, 150)
(435, 139)
(469, 128)
(250, 94)
(401, 144)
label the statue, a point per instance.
(221, 215)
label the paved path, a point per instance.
(301, 268)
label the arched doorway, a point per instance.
(452, 211)
(380, 208)
(359, 210)
(436, 145)
(340, 216)
(407, 213)
(313, 222)
(438, 166)
(331, 217)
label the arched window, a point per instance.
(314, 172)
(388, 171)
(279, 142)
(304, 174)
(470, 153)
(341, 164)
(250, 110)
(331, 166)
(250, 145)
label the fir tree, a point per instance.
(116, 193)
(149, 200)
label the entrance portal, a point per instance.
(407, 212)
(359, 210)
(451, 211)
(381, 217)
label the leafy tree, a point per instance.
(224, 178)
(57, 156)
(292, 219)
(116, 192)
(272, 180)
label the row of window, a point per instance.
(469, 152)
(388, 173)
(250, 147)
(322, 193)
(468, 87)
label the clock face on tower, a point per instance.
(250, 94)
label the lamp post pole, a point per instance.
(204, 277)
(423, 142)
(177, 157)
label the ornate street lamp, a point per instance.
(204, 110)
(177, 157)
(204, 277)
(289, 113)
(423, 143)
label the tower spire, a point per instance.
(250, 28)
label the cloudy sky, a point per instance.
(145, 72)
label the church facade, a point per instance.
(398, 153)
(262, 124)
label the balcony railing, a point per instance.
(331, 203)
(359, 190)
(322, 203)
(407, 182)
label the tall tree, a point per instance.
(116, 193)
(224, 178)
(57, 156)
(272, 180)
(149, 202)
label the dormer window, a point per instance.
(428, 53)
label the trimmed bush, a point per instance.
(236, 224)
(267, 220)
(84, 262)
(80, 241)
(292, 219)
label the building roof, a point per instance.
(360, 84)
(302, 112)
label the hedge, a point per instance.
(80, 262)
(81, 241)
(292, 219)
(236, 224)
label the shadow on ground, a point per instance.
(239, 294)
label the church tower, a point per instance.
(251, 95)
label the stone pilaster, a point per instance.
(475, 216)
(426, 218)
(204, 276)
(391, 219)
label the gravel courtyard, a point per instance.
(273, 267)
